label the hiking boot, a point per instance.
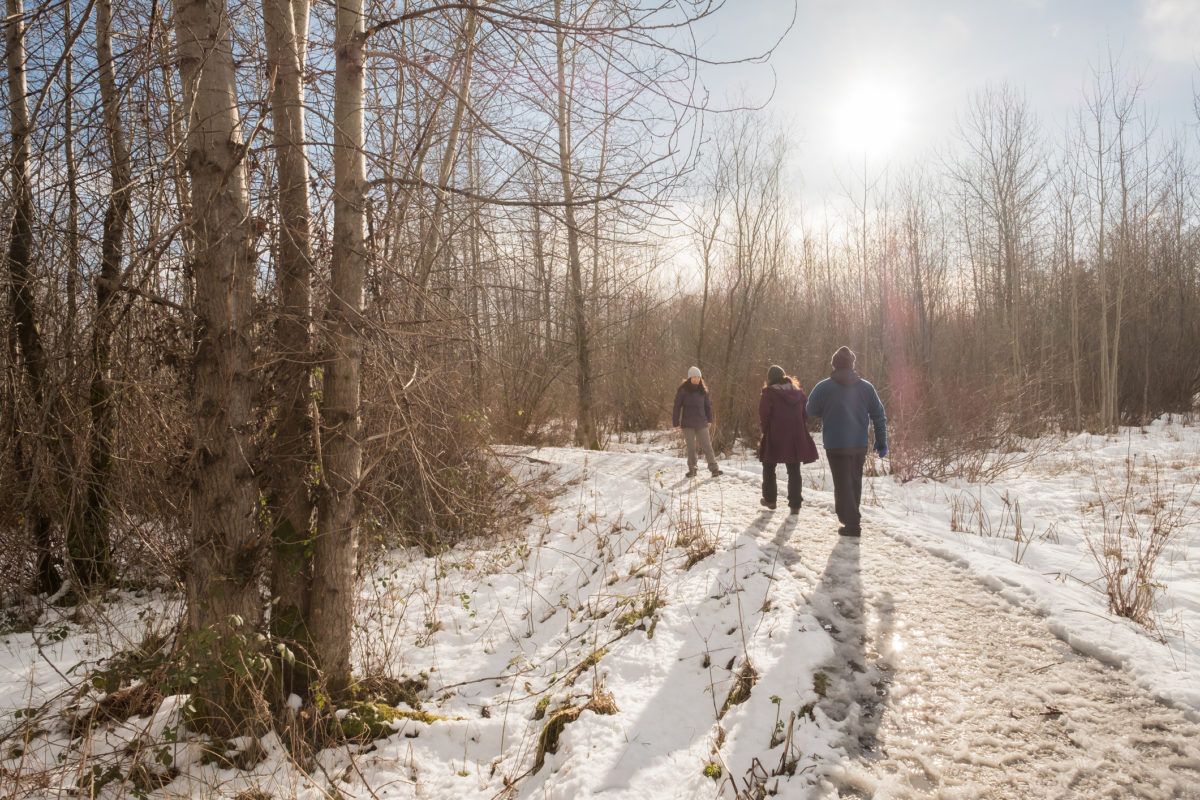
(844, 531)
(691, 473)
(716, 472)
(794, 509)
(762, 501)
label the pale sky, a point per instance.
(886, 79)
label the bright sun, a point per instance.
(870, 118)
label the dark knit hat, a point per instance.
(843, 358)
(775, 374)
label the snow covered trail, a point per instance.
(938, 686)
(946, 689)
(650, 636)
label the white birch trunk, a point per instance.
(336, 544)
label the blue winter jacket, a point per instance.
(846, 403)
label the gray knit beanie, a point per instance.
(775, 374)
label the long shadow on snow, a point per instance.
(683, 711)
(858, 680)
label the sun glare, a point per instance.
(870, 118)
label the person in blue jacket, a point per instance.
(693, 414)
(846, 403)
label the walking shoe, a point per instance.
(716, 472)
(691, 473)
(844, 531)
(762, 501)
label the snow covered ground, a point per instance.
(658, 637)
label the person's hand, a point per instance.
(882, 450)
(676, 427)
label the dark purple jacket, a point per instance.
(692, 408)
(786, 439)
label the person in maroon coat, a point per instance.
(785, 436)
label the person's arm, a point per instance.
(879, 420)
(708, 413)
(678, 408)
(816, 401)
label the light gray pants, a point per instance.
(694, 436)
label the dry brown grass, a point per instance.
(1140, 520)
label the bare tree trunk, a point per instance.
(545, 279)
(293, 443)
(224, 608)
(585, 429)
(73, 265)
(21, 289)
(336, 544)
(702, 325)
(477, 299)
(174, 135)
(92, 550)
(1117, 103)
(431, 241)
(707, 242)
(1076, 356)
(1102, 271)
(1123, 267)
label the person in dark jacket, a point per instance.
(693, 415)
(785, 436)
(846, 404)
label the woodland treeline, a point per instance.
(278, 276)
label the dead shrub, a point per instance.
(691, 533)
(941, 428)
(1139, 521)
(430, 477)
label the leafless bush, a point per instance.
(953, 428)
(1140, 520)
(430, 477)
(697, 541)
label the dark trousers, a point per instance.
(795, 487)
(846, 467)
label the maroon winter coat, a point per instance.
(786, 439)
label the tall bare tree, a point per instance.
(585, 423)
(224, 609)
(1110, 142)
(93, 541)
(336, 545)
(1001, 178)
(293, 460)
(1067, 199)
(745, 174)
(23, 299)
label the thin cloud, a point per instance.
(1172, 28)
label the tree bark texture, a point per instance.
(90, 552)
(224, 607)
(336, 543)
(431, 241)
(22, 295)
(585, 427)
(293, 443)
